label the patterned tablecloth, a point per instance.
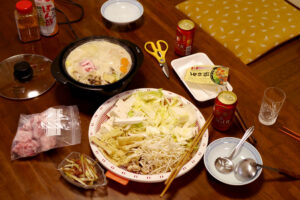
(248, 28)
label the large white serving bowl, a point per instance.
(100, 116)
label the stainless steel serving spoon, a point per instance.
(247, 168)
(225, 164)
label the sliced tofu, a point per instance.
(107, 126)
(130, 101)
(127, 121)
(121, 108)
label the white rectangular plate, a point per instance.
(200, 92)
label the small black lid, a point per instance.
(23, 71)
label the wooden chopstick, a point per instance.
(240, 119)
(186, 156)
(244, 126)
(292, 133)
(194, 143)
(297, 134)
(242, 122)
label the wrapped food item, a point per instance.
(204, 74)
(55, 127)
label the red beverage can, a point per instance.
(224, 109)
(184, 37)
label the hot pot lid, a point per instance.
(25, 76)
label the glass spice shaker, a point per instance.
(27, 21)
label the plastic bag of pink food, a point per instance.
(55, 127)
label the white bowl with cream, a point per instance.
(122, 12)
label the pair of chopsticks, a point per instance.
(291, 133)
(242, 123)
(244, 127)
(186, 156)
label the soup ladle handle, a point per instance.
(56, 71)
(281, 171)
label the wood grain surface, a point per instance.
(37, 177)
(281, 67)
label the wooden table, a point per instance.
(37, 177)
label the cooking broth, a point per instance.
(98, 63)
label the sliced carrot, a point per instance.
(124, 65)
(124, 62)
(123, 69)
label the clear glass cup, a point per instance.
(271, 104)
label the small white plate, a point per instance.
(122, 12)
(223, 147)
(200, 92)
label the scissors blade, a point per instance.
(165, 69)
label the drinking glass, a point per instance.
(271, 104)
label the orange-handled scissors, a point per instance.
(159, 53)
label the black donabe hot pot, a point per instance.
(60, 73)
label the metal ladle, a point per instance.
(225, 164)
(247, 168)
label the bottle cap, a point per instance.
(24, 6)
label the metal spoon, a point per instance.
(247, 168)
(224, 164)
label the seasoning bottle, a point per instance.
(27, 21)
(47, 17)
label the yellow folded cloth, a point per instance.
(249, 28)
